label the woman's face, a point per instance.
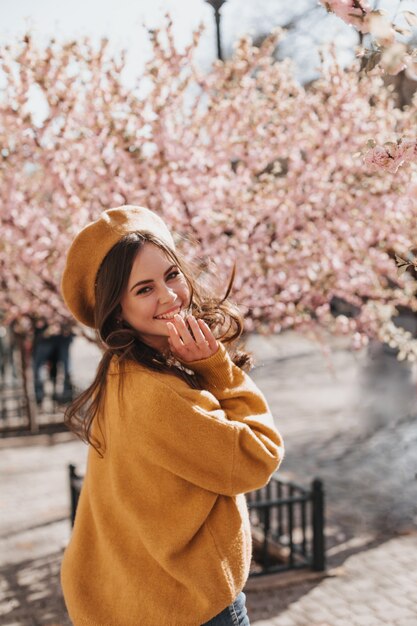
(155, 287)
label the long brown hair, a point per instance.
(121, 340)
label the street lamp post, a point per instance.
(217, 5)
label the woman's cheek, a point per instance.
(185, 292)
(186, 298)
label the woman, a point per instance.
(177, 432)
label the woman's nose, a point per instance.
(167, 294)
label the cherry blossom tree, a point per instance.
(260, 170)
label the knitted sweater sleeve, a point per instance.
(223, 438)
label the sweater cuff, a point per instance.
(217, 369)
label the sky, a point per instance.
(122, 21)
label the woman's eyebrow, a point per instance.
(150, 280)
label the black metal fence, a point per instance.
(75, 483)
(19, 411)
(287, 526)
(35, 385)
(287, 523)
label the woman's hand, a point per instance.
(201, 344)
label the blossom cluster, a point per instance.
(387, 54)
(391, 155)
(353, 12)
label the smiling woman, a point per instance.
(178, 432)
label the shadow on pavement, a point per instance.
(32, 593)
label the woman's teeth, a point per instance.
(168, 316)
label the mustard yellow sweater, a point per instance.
(162, 534)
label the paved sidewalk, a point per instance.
(376, 587)
(354, 427)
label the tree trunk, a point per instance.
(30, 407)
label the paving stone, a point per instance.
(283, 620)
(298, 620)
(367, 620)
(340, 609)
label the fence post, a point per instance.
(319, 560)
(73, 491)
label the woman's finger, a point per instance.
(182, 330)
(212, 341)
(196, 330)
(174, 336)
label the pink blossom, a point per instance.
(394, 58)
(353, 12)
(391, 156)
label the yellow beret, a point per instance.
(91, 245)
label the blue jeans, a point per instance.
(233, 615)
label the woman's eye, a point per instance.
(143, 290)
(170, 276)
